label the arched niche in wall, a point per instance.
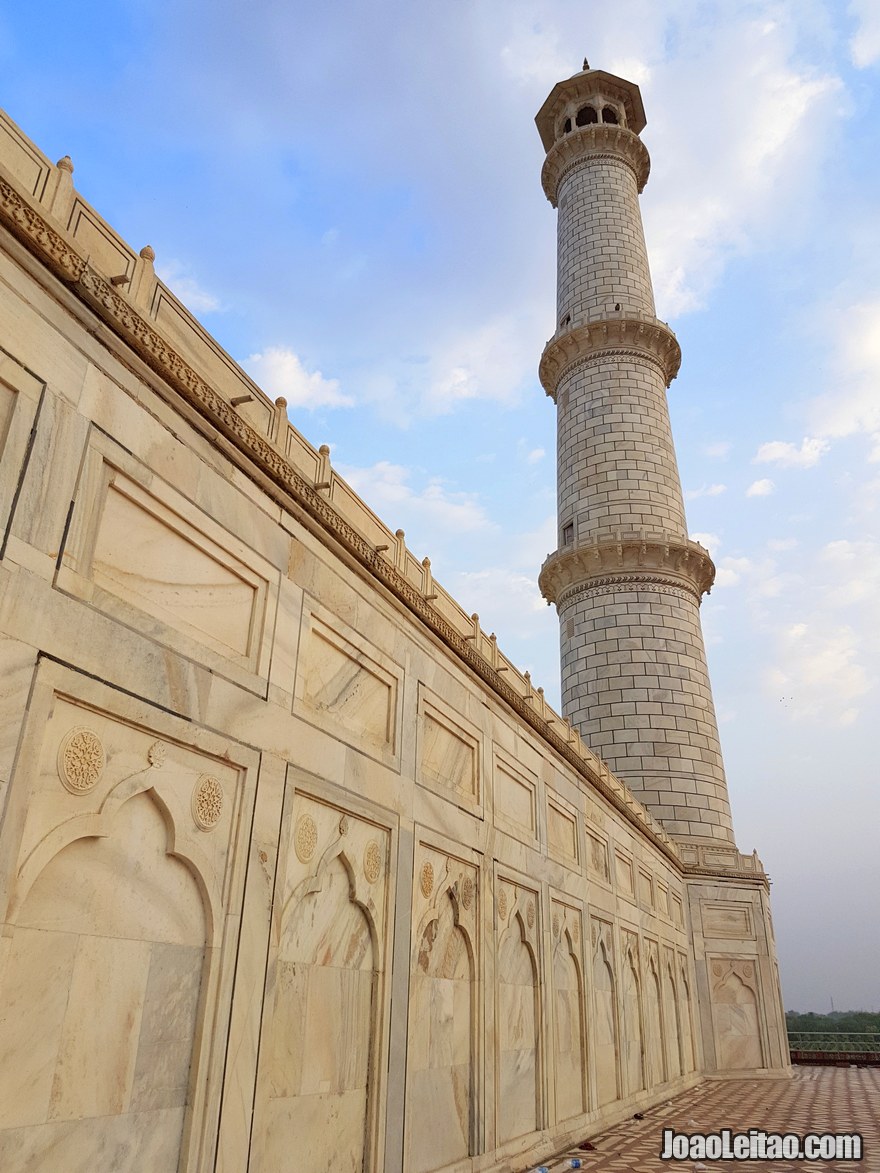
(569, 1034)
(518, 1085)
(101, 991)
(605, 1030)
(633, 1035)
(440, 1109)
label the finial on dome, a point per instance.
(586, 64)
(65, 164)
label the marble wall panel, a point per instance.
(655, 1040)
(515, 797)
(671, 1017)
(441, 1106)
(606, 1034)
(448, 752)
(142, 552)
(735, 1012)
(518, 1014)
(733, 921)
(562, 832)
(688, 1057)
(569, 1033)
(123, 843)
(317, 1089)
(347, 686)
(633, 1033)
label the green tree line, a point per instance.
(837, 1022)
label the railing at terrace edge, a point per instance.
(834, 1049)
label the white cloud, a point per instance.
(762, 488)
(706, 205)
(817, 673)
(853, 405)
(710, 541)
(705, 491)
(865, 43)
(782, 544)
(786, 455)
(387, 490)
(486, 362)
(535, 455)
(730, 571)
(185, 287)
(719, 449)
(280, 371)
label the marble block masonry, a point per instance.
(297, 869)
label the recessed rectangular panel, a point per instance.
(159, 563)
(449, 754)
(733, 921)
(514, 798)
(562, 832)
(344, 684)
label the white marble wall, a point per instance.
(283, 884)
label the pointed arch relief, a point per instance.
(672, 1016)
(569, 1033)
(100, 998)
(656, 1039)
(519, 1106)
(318, 1084)
(441, 1045)
(633, 1036)
(736, 1014)
(689, 1060)
(605, 1028)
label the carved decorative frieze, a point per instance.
(587, 143)
(625, 336)
(627, 562)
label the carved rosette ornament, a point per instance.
(207, 802)
(467, 892)
(502, 903)
(530, 914)
(555, 924)
(305, 838)
(373, 862)
(81, 760)
(426, 880)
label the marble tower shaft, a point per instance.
(626, 580)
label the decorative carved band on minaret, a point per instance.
(587, 143)
(614, 334)
(630, 560)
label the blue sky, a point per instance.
(349, 198)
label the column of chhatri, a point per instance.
(626, 580)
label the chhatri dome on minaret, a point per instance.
(626, 579)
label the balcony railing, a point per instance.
(832, 1047)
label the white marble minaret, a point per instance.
(625, 578)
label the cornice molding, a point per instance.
(624, 336)
(625, 563)
(56, 252)
(585, 144)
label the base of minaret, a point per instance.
(634, 677)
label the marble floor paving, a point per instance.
(816, 1099)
